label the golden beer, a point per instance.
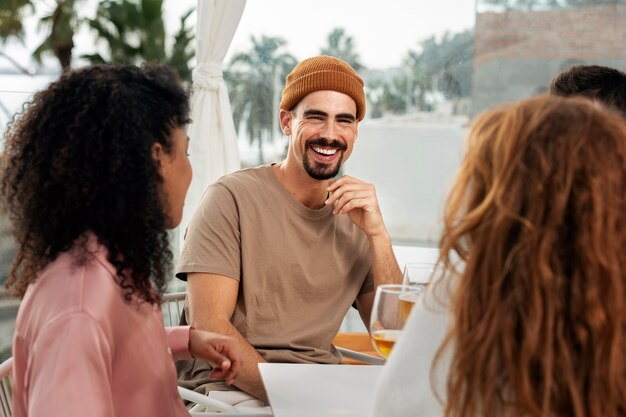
(406, 302)
(384, 341)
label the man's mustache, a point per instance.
(325, 143)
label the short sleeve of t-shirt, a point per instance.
(368, 284)
(212, 241)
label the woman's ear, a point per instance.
(158, 153)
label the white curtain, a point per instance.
(213, 146)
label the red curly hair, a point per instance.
(537, 217)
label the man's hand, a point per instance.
(212, 300)
(358, 199)
(221, 352)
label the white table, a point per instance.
(306, 390)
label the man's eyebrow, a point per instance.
(314, 112)
(346, 116)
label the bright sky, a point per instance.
(383, 30)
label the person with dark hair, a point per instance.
(603, 84)
(529, 315)
(275, 255)
(94, 173)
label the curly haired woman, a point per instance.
(533, 254)
(94, 173)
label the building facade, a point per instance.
(518, 52)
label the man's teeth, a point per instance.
(325, 151)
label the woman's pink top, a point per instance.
(81, 350)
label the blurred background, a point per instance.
(428, 66)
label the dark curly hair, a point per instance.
(78, 160)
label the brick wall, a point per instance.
(518, 52)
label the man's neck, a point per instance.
(306, 190)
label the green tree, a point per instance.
(388, 95)
(12, 14)
(397, 95)
(60, 23)
(255, 81)
(183, 49)
(342, 46)
(444, 65)
(134, 32)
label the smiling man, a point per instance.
(276, 255)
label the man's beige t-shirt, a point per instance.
(299, 270)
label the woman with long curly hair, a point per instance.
(533, 260)
(94, 173)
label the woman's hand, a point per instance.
(222, 352)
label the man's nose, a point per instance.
(329, 130)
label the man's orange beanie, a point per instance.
(323, 73)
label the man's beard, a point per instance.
(321, 171)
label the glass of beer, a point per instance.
(418, 273)
(392, 305)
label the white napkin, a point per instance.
(244, 403)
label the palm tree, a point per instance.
(449, 60)
(342, 46)
(183, 50)
(61, 23)
(440, 64)
(131, 30)
(134, 32)
(255, 80)
(12, 14)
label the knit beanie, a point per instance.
(323, 73)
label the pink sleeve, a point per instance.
(69, 370)
(178, 341)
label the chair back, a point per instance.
(6, 388)
(172, 306)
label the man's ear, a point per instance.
(285, 121)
